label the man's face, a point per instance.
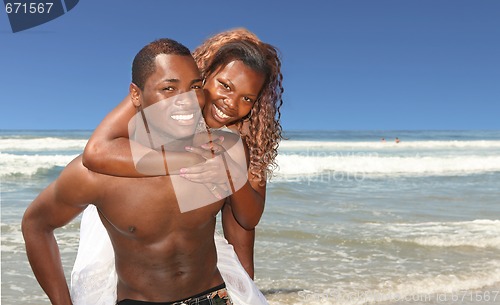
(173, 95)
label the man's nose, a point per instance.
(184, 99)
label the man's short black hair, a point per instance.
(144, 62)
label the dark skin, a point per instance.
(161, 254)
(230, 94)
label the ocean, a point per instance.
(349, 218)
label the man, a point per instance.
(161, 254)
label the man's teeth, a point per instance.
(182, 117)
(220, 113)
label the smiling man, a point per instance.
(162, 255)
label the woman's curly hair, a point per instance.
(264, 128)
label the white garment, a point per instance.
(94, 279)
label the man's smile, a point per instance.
(182, 117)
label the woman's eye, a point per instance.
(247, 99)
(226, 86)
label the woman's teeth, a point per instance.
(220, 113)
(182, 117)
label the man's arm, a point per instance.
(55, 207)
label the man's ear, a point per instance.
(135, 94)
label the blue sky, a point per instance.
(372, 65)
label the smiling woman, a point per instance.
(237, 88)
(233, 54)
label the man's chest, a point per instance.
(149, 208)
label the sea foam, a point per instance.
(481, 233)
(41, 144)
(374, 164)
(478, 144)
(11, 164)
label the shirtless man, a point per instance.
(161, 254)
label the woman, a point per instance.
(243, 89)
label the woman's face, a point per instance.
(230, 94)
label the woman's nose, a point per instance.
(229, 103)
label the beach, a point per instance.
(349, 218)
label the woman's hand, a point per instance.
(220, 172)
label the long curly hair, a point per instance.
(263, 132)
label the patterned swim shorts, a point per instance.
(215, 296)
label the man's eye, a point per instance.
(196, 87)
(168, 89)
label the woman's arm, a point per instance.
(108, 150)
(242, 240)
(239, 225)
(247, 202)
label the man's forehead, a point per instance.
(173, 59)
(176, 65)
(172, 66)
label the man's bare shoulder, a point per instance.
(64, 198)
(76, 183)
